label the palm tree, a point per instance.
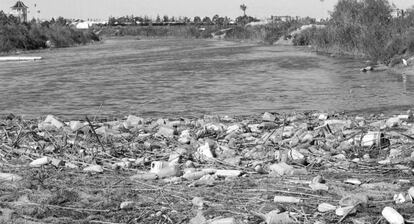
(243, 8)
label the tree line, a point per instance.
(32, 35)
(167, 20)
(372, 28)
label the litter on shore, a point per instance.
(308, 167)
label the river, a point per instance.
(180, 77)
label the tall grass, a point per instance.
(29, 36)
(363, 27)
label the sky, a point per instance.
(102, 9)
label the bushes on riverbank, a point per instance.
(267, 33)
(29, 36)
(364, 27)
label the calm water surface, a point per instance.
(192, 77)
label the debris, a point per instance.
(165, 169)
(166, 132)
(40, 162)
(374, 138)
(343, 211)
(275, 217)
(144, 176)
(353, 181)
(311, 162)
(50, 123)
(286, 199)
(222, 221)
(76, 125)
(93, 169)
(411, 193)
(268, 117)
(198, 219)
(281, 168)
(133, 122)
(198, 202)
(325, 207)
(366, 69)
(228, 173)
(127, 205)
(10, 177)
(392, 122)
(392, 216)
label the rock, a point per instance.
(268, 117)
(228, 173)
(10, 177)
(392, 216)
(40, 162)
(93, 169)
(165, 169)
(281, 168)
(325, 207)
(133, 122)
(166, 132)
(286, 199)
(127, 205)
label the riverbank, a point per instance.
(373, 29)
(241, 169)
(36, 35)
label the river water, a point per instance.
(178, 77)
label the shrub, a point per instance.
(29, 36)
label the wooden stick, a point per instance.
(97, 137)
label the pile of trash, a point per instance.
(308, 167)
